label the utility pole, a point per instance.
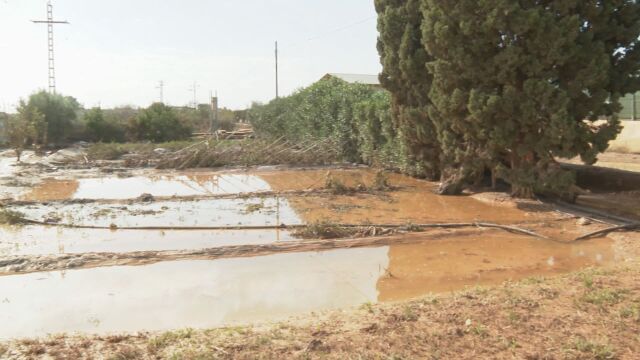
(194, 89)
(50, 23)
(161, 87)
(214, 112)
(634, 107)
(277, 79)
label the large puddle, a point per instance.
(38, 240)
(250, 212)
(204, 294)
(116, 188)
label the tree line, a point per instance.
(46, 119)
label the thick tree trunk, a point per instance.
(451, 183)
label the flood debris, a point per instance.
(212, 154)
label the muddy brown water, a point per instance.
(204, 294)
(159, 185)
(211, 293)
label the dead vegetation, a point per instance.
(537, 318)
(252, 152)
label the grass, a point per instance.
(337, 187)
(324, 230)
(10, 217)
(169, 338)
(594, 350)
(114, 151)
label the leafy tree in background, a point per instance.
(329, 109)
(405, 75)
(59, 113)
(20, 128)
(100, 129)
(158, 123)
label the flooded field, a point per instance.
(202, 294)
(38, 240)
(84, 214)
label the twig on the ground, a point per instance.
(607, 231)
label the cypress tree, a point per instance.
(515, 84)
(404, 74)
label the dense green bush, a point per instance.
(59, 114)
(355, 117)
(508, 86)
(100, 128)
(158, 123)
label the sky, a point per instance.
(116, 52)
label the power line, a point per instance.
(50, 23)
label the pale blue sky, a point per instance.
(115, 52)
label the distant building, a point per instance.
(630, 107)
(371, 80)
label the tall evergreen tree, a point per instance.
(509, 85)
(404, 74)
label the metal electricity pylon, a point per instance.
(52, 65)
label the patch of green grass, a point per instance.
(368, 306)
(514, 317)
(126, 353)
(603, 297)
(168, 338)
(324, 230)
(114, 151)
(594, 350)
(480, 330)
(409, 314)
(631, 312)
(253, 208)
(192, 354)
(10, 217)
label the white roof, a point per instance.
(357, 78)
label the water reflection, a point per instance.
(203, 294)
(36, 240)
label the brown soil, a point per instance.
(594, 314)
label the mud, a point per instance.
(190, 184)
(125, 280)
(40, 240)
(207, 293)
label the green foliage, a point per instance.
(59, 114)
(158, 123)
(353, 116)
(405, 75)
(99, 128)
(20, 128)
(507, 86)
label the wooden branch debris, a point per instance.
(603, 232)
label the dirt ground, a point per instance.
(570, 299)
